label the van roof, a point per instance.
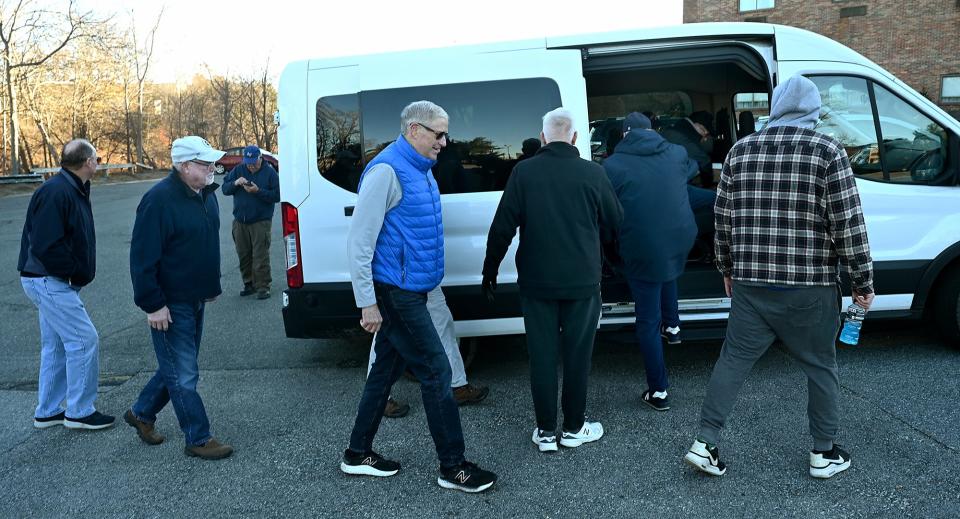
(809, 45)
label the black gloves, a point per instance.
(489, 286)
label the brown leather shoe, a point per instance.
(470, 394)
(395, 409)
(145, 430)
(212, 450)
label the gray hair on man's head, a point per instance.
(75, 153)
(558, 125)
(423, 112)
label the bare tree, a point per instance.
(29, 37)
(223, 88)
(141, 61)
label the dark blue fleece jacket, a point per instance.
(175, 249)
(253, 207)
(649, 176)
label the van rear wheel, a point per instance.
(946, 311)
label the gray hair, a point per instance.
(420, 112)
(75, 153)
(558, 125)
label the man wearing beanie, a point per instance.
(175, 268)
(787, 215)
(649, 176)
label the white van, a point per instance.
(336, 114)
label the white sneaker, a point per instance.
(826, 464)
(590, 432)
(545, 442)
(707, 460)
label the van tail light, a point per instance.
(291, 242)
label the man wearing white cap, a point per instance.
(175, 268)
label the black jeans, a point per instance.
(560, 329)
(408, 339)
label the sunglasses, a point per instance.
(438, 135)
(202, 163)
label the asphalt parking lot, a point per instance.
(287, 407)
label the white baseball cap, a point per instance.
(192, 147)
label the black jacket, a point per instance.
(564, 207)
(175, 248)
(58, 235)
(649, 176)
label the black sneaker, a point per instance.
(367, 464)
(92, 422)
(263, 294)
(671, 334)
(247, 290)
(656, 399)
(826, 464)
(43, 423)
(705, 458)
(466, 477)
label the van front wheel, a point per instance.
(946, 311)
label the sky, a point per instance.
(239, 37)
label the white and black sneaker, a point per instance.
(367, 464)
(51, 421)
(590, 432)
(671, 334)
(826, 464)
(546, 442)
(92, 422)
(656, 399)
(466, 477)
(706, 459)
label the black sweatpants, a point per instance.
(560, 330)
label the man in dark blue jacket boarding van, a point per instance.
(175, 268)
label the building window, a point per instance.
(754, 5)
(847, 12)
(950, 89)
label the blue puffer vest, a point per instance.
(409, 251)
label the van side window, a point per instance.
(338, 140)
(909, 148)
(489, 121)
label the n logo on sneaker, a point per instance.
(368, 461)
(461, 477)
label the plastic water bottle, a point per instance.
(851, 324)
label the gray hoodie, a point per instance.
(796, 102)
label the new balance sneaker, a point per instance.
(671, 334)
(92, 422)
(43, 423)
(466, 477)
(546, 442)
(826, 464)
(656, 399)
(590, 432)
(705, 458)
(367, 464)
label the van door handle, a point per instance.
(348, 210)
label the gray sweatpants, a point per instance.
(806, 320)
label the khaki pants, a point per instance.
(253, 250)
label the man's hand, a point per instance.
(212, 299)
(370, 319)
(864, 300)
(160, 320)
(728, 285)
(489, 286)
(240, 182)
(250, 187)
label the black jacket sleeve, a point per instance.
(610, 212)
(146, 251)
(48, 234)
(504, 225)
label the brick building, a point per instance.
(917, 40)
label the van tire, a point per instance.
(946, 309)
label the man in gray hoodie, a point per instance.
(787, 215)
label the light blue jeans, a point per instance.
(69, 356)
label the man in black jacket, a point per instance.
(564, 207)
(58, 256)
(175, 269)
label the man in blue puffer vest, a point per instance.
(396, 259)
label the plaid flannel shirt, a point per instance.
(788, 212)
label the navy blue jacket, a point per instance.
(58, 235)
(253, 207)
(175, 249)
(649, 176)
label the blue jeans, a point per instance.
(69, 357)
(655, 305)
(408, 339)
(177, 374)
